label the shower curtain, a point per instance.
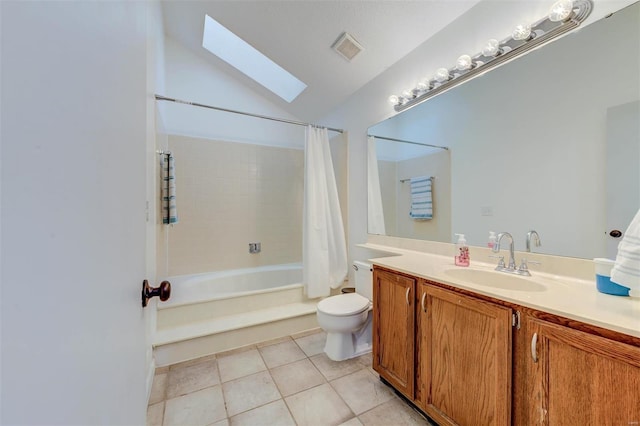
(375, 224)
(324, 249)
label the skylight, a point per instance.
(246, 59)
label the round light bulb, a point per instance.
(561, 10)
(491, 48)
(423, 86)
(522, 32)
(464, 63)
(442, 75)
(393, 99)
(407, 94)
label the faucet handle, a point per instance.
(501, 264)
(523, 269)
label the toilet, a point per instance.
(347, 317)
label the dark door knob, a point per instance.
(615, 233)
(163, 291)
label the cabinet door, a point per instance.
(393, 329)
(582, 379)
(466, 359)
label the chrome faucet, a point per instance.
(536, 239)
(512, 260)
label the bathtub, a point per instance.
(197, 288)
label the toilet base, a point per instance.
(343, 346)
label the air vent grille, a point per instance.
(347, 46)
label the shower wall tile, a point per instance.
(230, 194)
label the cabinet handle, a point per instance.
(534, 344)
(424, 296)
(407, 296)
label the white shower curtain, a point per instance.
(375, 224)
(324, 249)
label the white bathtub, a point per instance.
(187, 289)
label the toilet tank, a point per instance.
(363, 279)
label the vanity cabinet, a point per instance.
(449, 353)
(465, 359)
(582, 379)
(394, 329)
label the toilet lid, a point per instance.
(344, 304)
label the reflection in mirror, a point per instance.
(531, 146)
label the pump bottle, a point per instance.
(461, 257)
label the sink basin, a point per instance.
(494, 279)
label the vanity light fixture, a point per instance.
(561, 10)
(491, 48)
(564, 16)
(523, 32)
(442, 75)
(465, 63)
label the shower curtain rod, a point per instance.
(412, 143)
(282, 120)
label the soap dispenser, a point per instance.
(492, 239)
(461, 257)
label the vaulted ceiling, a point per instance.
(298, 35)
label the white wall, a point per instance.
(488, 19)
(73, 212)
(189, 77)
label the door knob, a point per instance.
(163, 291)
(615, 233)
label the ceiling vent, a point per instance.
(347, 46)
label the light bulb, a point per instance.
(560, 10)
(522, 32)
(464, 63)
(393, 99)
(407, 94)
(442, 75)
(492, 48)
(423, 86)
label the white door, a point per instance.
(623, 173)
(73, 134)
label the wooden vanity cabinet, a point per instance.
(465, 359)
(394, 329)
(581, 379)
(449, 353)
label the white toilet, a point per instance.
(347, 317)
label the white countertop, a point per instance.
(564, 296)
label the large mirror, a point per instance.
(548, 142)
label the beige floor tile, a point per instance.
(272, 414)
(191, 362)
(362, 391)
(318, 406)
(191, 378)
(158, 388)
(312, 344)
(240, 364)
(155, 413)
(224, 422)
(353, 422)
(249, 392)
(366, 359)
(281, 354)
(203, 407)
(332, 370)
(392, 412)
(297, 376)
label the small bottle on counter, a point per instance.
(492, 239)
(461, 257)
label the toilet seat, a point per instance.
(344, 304)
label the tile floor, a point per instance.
(289, 381)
